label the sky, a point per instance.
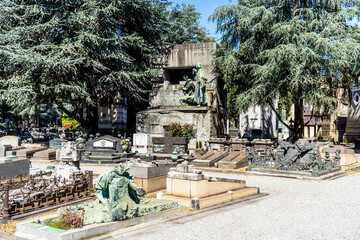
(206, 8)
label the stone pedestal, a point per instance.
(151, 176)
(190, 188)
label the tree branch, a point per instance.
(278, 115)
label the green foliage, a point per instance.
(200, 145)
(197, 145)
(184, 26)
(71, 52)
(298, 51)
(186, 131)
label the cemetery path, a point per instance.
(294, 209)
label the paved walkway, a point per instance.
(294, 209)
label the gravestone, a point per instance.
(11, 167)
(169, 143)
(56, 143)
(105, 149)
(141, 142)
(14, 141)
(6, 150)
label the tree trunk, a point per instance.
(299, 119)
(92, 119)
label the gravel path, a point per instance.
(294, 209)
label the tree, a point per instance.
(184, 26)
(76, 52)
(299, 51)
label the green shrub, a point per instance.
(197, 145)
(200, 144)
(186, 130)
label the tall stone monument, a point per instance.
(188, 91)
(352, 130)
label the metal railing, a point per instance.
(24, 194)
(267, 159)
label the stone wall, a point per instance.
(154, 121)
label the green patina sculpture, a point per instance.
(117, 199)
(195, 90)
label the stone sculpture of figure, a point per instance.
(294, 151)
(105, 180)
(195, 90)
(189, 91)
(117, 199)
(200, 86)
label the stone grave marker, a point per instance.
(11, 167)
(105, 149)
(169, 143)
(141, 142)
(6, 150)
(56, 143)
(14, 141)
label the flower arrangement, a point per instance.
(125, 142)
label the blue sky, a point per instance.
(206, 8)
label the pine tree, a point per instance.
(299, 51)
(184, 26)
(76, 52)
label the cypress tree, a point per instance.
(76, 52)
(300, 51)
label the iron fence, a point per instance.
(267, 159)
(29, 193)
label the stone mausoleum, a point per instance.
(188, 90)
(352, 131)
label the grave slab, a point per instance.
(233, 160)
(210, 160)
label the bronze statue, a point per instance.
(195, 90)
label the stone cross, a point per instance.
(169, 143)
